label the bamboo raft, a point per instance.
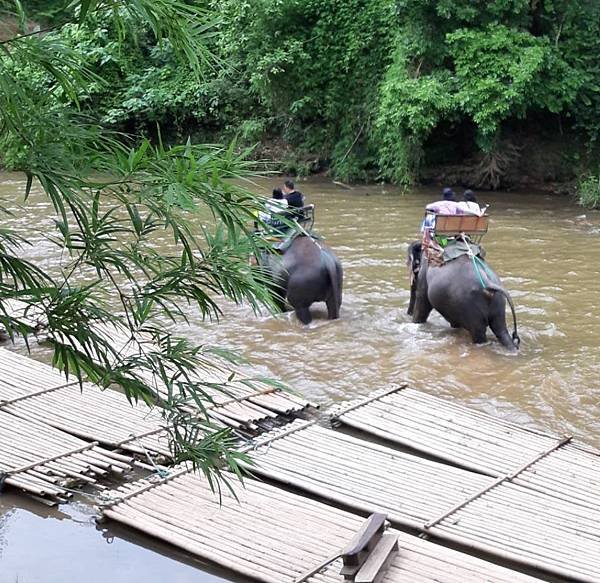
(477, 441)
(35, 391)
(47, 462)
(539, 527)
(247, 405)
(274, 536)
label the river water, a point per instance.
(545, 249)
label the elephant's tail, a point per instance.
(334, 278)
(492, 288)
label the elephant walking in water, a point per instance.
(307, 271)
(466, 292)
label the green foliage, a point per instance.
(484, 63)
(314, 66)
(364, 85)
(113, 195)
(502, 73)
(401, 130)
(588, 191)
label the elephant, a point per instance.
(465, 291)
(305, 272)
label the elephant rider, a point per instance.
(276, 209)
(446, 206)
(469, 205)
(295, 198)
(433, 246)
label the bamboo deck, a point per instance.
(247, 405)
(477, 441)
(539, 527)
(516, 494)
(35, 391)
(47, 462)
(437, 427)
(273, 536)
(362, 474)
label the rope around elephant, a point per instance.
(478, 263)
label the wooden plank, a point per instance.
(374, 525)
(375, 567)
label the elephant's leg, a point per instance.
(333, 308)
(498, 326)
(422, 307)
(303, 314)
(478, 334)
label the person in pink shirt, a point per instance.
(446, 206)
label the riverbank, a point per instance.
(532, 166)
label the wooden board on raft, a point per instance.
(274, 536)
(538, 527)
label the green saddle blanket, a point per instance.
(456, 248)
(283, 245)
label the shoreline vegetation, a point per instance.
(488, 95)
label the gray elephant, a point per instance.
(305, 272)
(466, 292)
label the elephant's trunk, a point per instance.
(492, 288)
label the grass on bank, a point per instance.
(588, 191)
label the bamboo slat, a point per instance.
(478, 441)
(273, 536)
(505, 516)
(248, 404)
(449, 431)
(363, 474)
(48, 462)
(35, 391)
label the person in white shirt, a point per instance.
(276, 207)
(469, 205)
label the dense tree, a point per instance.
(483, 64)
(371, 88)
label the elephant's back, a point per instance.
(302, 252)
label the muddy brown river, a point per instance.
(545, 249)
